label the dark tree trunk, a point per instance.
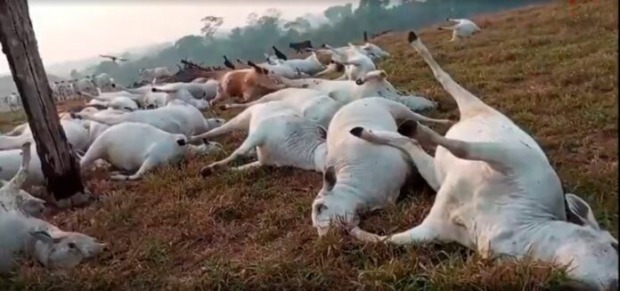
(58, 164)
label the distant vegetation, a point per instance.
(262, 31)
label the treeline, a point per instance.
(262, 31)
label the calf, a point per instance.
(135, 146)
(497, 193)
(21, 233)
(300, 47)
(280, 134)
(360, 176)
(248, 84)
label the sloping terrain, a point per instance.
(554, 74)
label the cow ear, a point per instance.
(42, 236)
(329, 178)
(579, 211)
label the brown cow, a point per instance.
(248, 84)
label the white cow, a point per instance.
(65, 90)
(11, 196)
(357, 64)
(20, 134)
(462, 28)
(104, 82)
(312, 104)
(206, 90)
(140, 147)
(371, 50)
(358, 175)
(15, 102)
(96, 128)
(497, 193)
(284, 70)
(373, 84)
(280, 134)
(23, 234)
(183, 94)
(85, 84)
(151, 75)
(309, 66)
(176, 117)
(55, 92)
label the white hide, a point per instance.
(11, 194)
(15, 101)
(497, 193)
(462, 28)
(358, 175)
(23, 234)
(105, 82)
(369, 49)
(280, 134)
(176, 117)
(309, 66)
(140, 147)
(284, 70)
(373, 84)
(206, 90)
(312, 104)
(357, 64)
(152, 74)
(184, 95)
(75, 131)
(85, 84)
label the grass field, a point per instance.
(554, 74)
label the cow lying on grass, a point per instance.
(281, 135)
(312, 104)
(497, 193)
(140, 147)
(23, 234)
(360, 176)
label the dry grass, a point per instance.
(554, 74)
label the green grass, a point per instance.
(553, 74)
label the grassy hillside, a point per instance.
(553, 73)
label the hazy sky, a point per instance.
(72, 30)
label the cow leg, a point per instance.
(253, 140)
(247, 166)
(146, 166)
(437, 226)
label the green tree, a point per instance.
(268, 29)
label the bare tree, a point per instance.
(19, 44)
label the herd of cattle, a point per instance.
(497, 192)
